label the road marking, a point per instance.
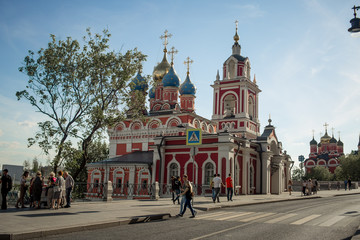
(211, 215)
(256, 217)
(331, 221)
(306, 219)
(236, 215)
(218, 232)
(278, 219)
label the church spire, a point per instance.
(236, 37)
(236, 48)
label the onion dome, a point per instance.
(152, 93)
(333, 140)
(313, 142)
(161, 69)
(340, 143)
(139, 83)
(171, 79)
(319, 145)
(187, 87)
(326, 138)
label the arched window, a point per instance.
(251, 108)
(174, 170)
(209, 173)
(229, 105)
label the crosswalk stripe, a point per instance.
(278, 219)
(306, 219)
(235, 216)
(256, 217)
(331, 221)
(211, 215)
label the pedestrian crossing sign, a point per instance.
(193, 136)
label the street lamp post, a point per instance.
(355, 22)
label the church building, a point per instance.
(154, 149)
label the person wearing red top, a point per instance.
(229, 187)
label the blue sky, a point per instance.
(305, 61)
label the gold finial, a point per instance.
(188, 62)
(165, 37)
(236, 37)
(339, 134)
(254, 78)
(172, 52)
(332, 130)
(326, 125)
(313, 131)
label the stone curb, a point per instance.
(92, 226)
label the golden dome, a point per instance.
(161, 69)
(236, 37)
(326, 138)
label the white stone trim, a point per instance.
(168, 169)
(208, 160)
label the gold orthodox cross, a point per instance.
(188, 62)
(236, 23)
(165, 37)
(326, 125)
(172, 52)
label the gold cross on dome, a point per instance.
(172, 52)
(165, 37)
(332, 130)
(326, 125)
(236, 23)
(313, 131)
(188, 62)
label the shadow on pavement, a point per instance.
(55, 213)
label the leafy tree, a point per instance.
(35, 165)
(80, 90)
(350, 167)
(98, 151)
(297, 174)
(26, 165)
(320, 173)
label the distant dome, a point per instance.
(152, 93)
(340, 143)
(313, 142)
(187, 87)
(161, 69)
(333, 140)
(171, 79)
(139, 83)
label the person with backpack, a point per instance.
(6, 186)
(188, 193)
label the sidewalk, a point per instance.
(30, 223)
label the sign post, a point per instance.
(193, 137)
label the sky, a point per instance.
(306, 62)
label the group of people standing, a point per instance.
(310, 187)
(216, 184)
(57, 189)
(183, 193)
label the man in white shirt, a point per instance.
(69, 185)
(217, 186)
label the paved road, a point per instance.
(323, 218)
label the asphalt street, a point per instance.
(322, 218)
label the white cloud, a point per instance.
(27, 123)
(1, 132)
(11, 145)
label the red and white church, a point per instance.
(154, 148)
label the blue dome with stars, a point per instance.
(139, 83)
(187, 87)
(171, 79)
(152, 93)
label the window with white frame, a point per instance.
(174, 170)
(209, 173)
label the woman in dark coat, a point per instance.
(37, 189)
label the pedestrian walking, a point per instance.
(69, 186)
(229, 187)
(182, 197)
(177, 187)
(349, 182)
(172, 188)
(6, 186)
(345, 184)
(188, 195)
(304, 187)
(37, 189)
(217, 187)
(23, 189)
(212, 187)
(309, 186)
(290, 183)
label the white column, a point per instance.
(266, 157)
(245, 170)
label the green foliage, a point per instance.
(320, 173)
(350, 167)
(297, 174)
(98, 151)
(80, 88)
(35, 165)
